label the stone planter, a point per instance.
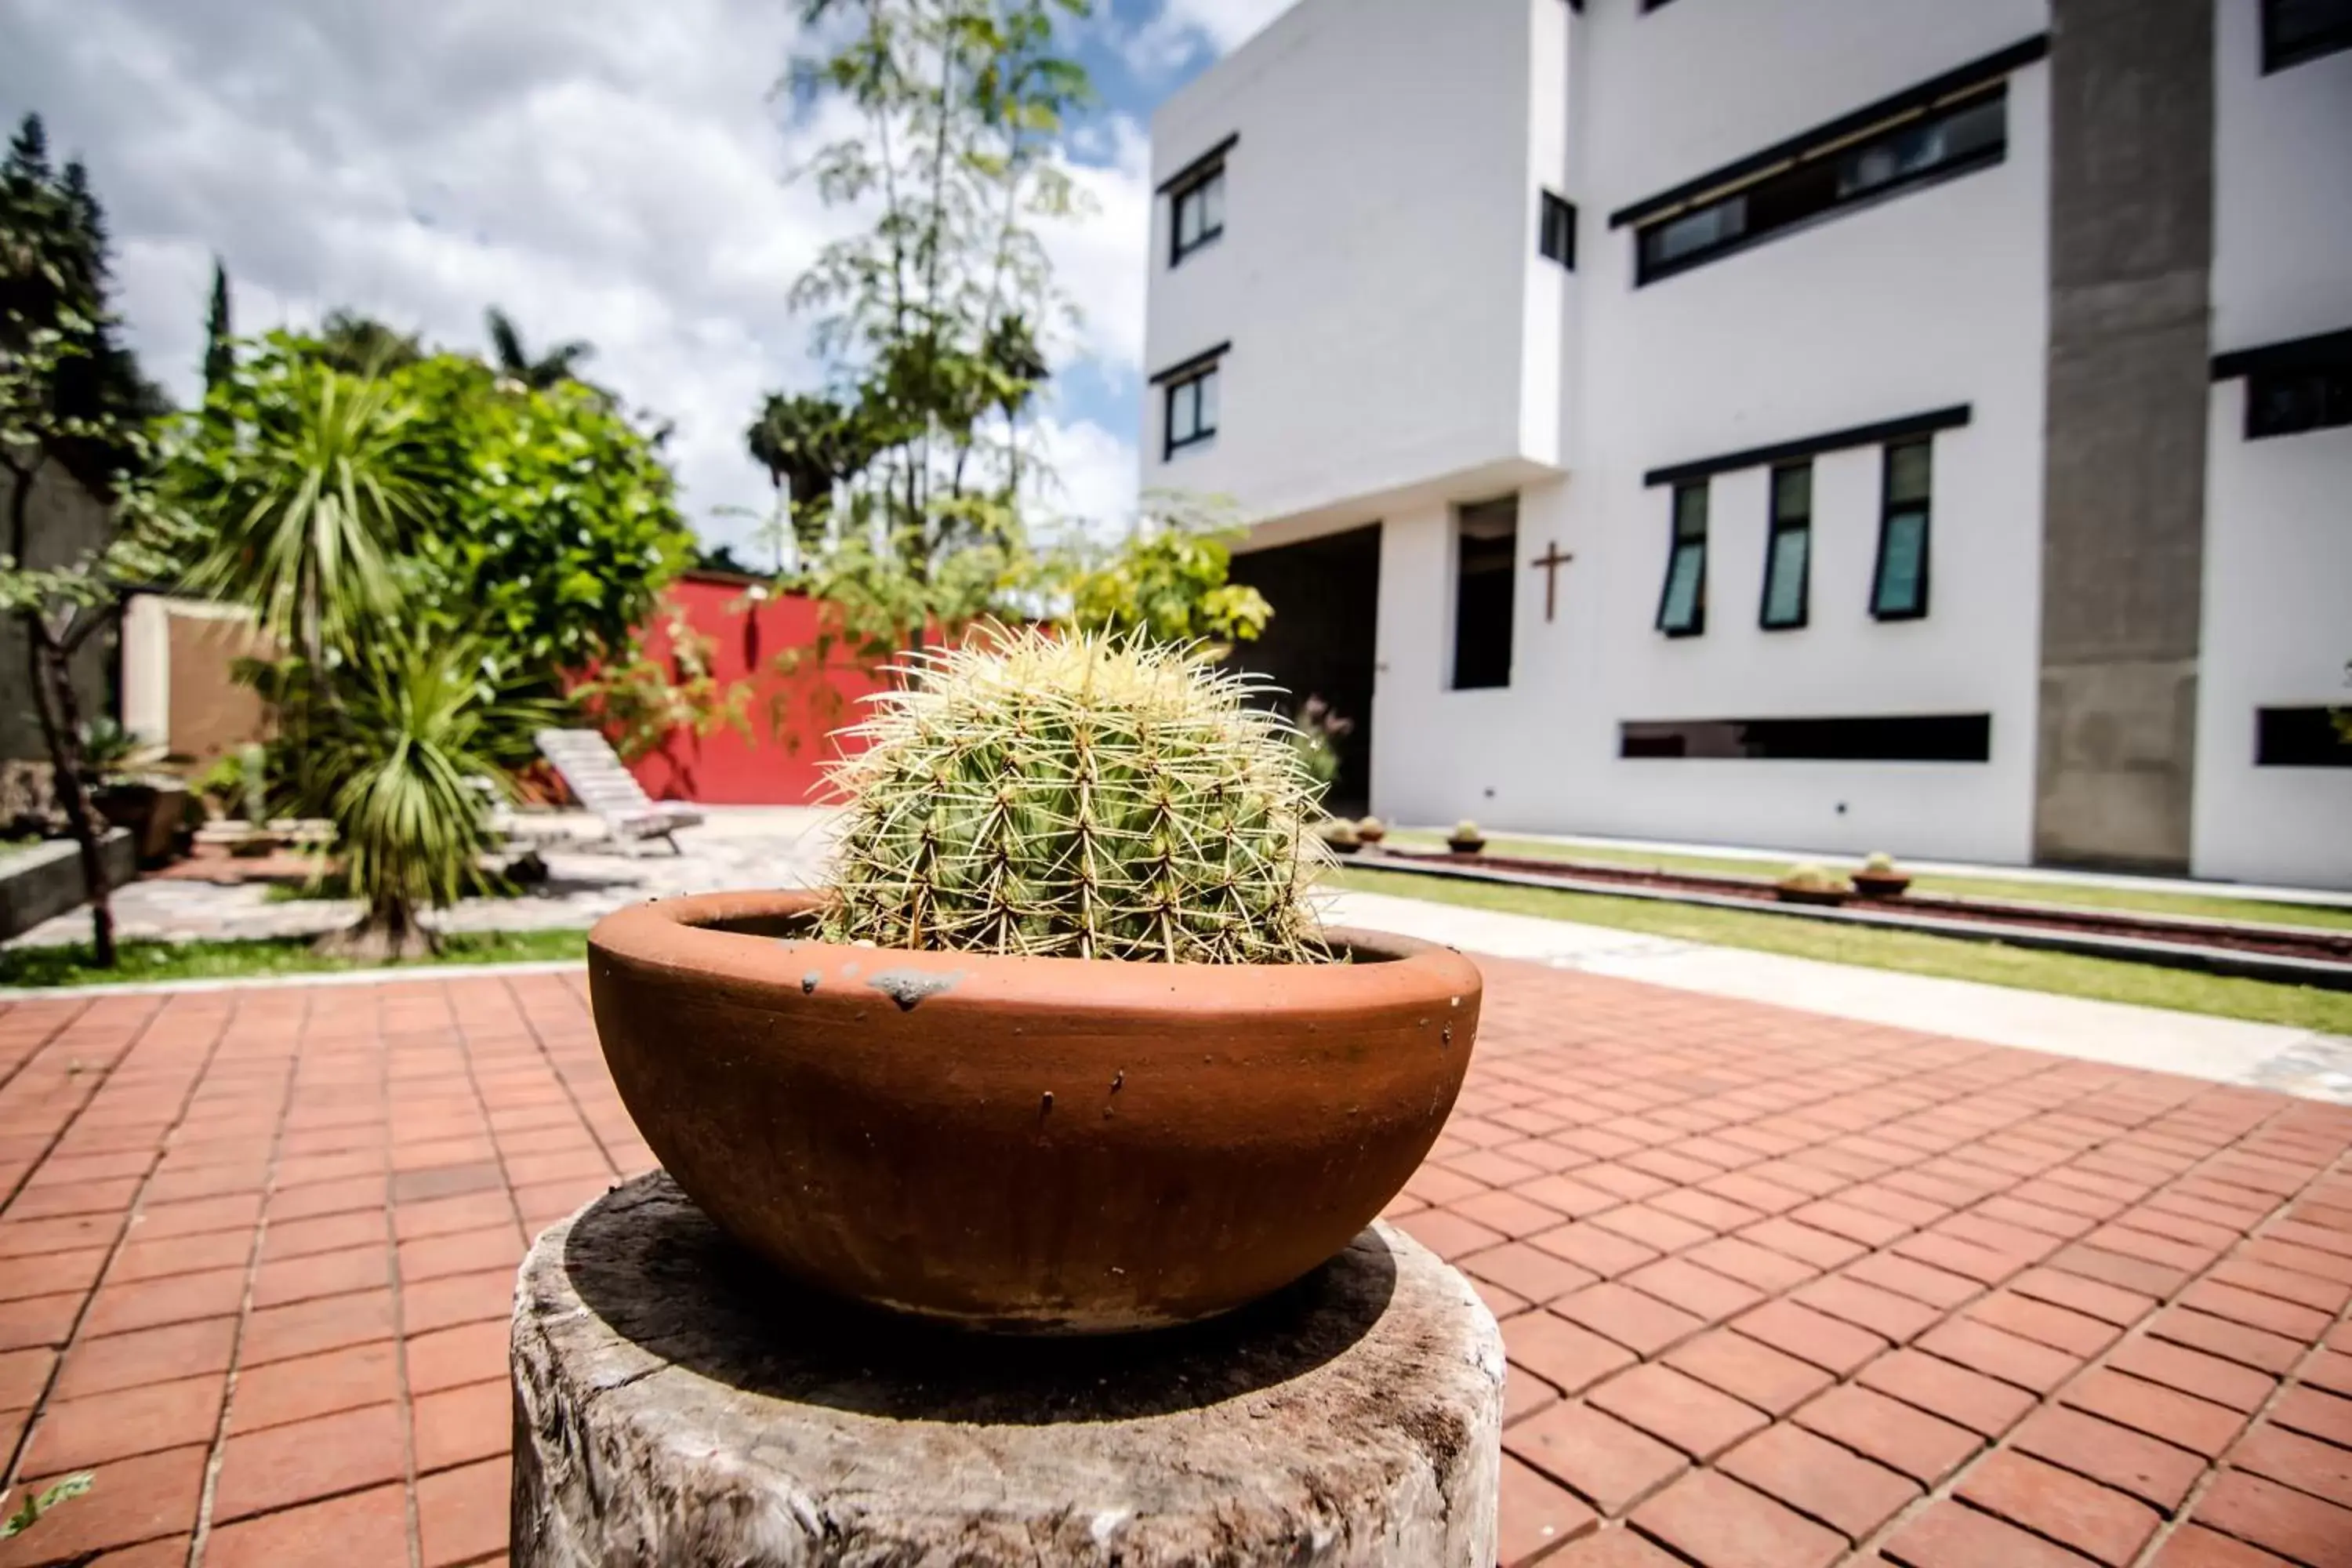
(150, 814)
(1027, 1144)
(45, 878)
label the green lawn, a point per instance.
(2104, 980)
(152, 962)
(2075, 895)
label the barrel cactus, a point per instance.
(1077, 797)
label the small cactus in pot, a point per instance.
(1880, 877)
(1811, 884)
(1080, 797)
(1340, 836)
(1371, 830)
(1465, 838)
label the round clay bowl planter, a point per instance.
(1872, 885)
(1040, 1145)
(1830, 896)
(1465, 846)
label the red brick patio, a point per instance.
(1777, 1289)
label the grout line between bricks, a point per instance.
(200, 1537)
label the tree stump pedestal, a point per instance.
(677, 1403)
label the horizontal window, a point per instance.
(1902, 738)
(2290, 402)
(1948, 140)
(2294, 31)
(2302, 738)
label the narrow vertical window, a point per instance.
(2294, 31)
(1198, 213)
(1192, 410)
(1788, 549)
(1486, 573)
(1556, 231)
(1898, 585)
(1682, 608)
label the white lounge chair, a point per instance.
(594, 774)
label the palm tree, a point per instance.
(311, 512)
(808, 443)
(420, 730)
(361, 345)
(560, 363)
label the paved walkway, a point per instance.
(1778, 1289)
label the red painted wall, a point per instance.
(792, 715)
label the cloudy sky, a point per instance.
(613, 170)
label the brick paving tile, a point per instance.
(2193, 1371)
(1749, 1370)
(462, 1513)
(2293, 1524)
(1606, 1462)
(2114, 1456)
(2292, 1459)
(1949, 1535)
(1701, 1214)
(1677, 1408)
(1895, 1435)
(321, 1385)
(362, 1527)
(2060, 1506)
(1817, 1478)
(1569, 1358)
(2194, 1546)
(1537, 1515)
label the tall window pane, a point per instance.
(1788, 557)
(1682, 604)
(1486, 575)
(1197, 215)
(1898, 589)
(1192, 410)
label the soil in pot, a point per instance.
(1041, 1145)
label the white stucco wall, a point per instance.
(1927, 300)
(2278, 512)
(1379, 222)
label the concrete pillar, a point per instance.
(2131, 245)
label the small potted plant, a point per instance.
(1371, 830)
(1061, 1045)
(1810, 884)
(1341, 836)
(1465, 838)
(127, 790)
(1880, 877)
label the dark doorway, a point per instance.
(1485, 574)
(1323, 639)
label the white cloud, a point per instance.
(1182, 28)
(601, 169)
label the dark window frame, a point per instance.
(1188, 381)
(2299, 737)
(1883, 738)
(2280, 55)
(2321, 365)
(1195, 189)
(1888, 510)
(1872, 435)
(1464, 516)
(1775, 526)
(1680, 539)
(1556, 228)
(1797, 183)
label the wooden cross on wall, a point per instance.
(1551, 561)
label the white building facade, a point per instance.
(1832, 424)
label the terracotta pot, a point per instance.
(1040, 1145)
(1831, 896)
(1465, 846)
(1877, 885)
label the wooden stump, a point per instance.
(678, 1403)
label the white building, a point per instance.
(1834, 424)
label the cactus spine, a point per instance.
(1080, 797)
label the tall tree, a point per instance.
(359, 344)
(220, 358)
(539, 371)
(902, 481)
(73, 411)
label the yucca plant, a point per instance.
(1079, 797)
(410, 759)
